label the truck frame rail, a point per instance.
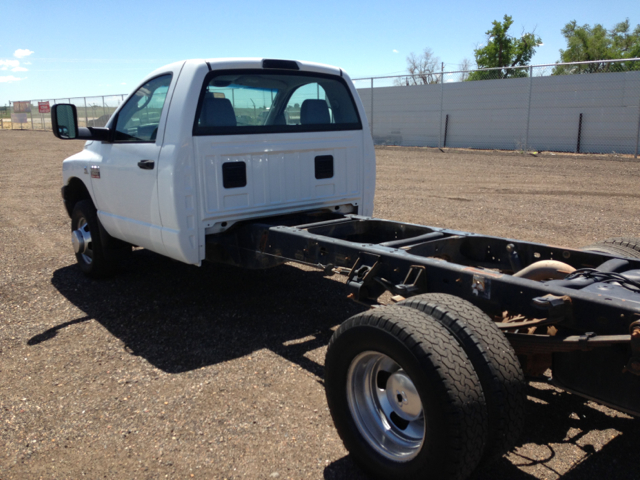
(405, 259)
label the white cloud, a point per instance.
(395, 51)
(123, 83)
(9, 63)
(22, 52)
(19, 69)
(9, 79)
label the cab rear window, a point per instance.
(258, 101)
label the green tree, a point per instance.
(626, 42)
(590, 44)
(504, 50)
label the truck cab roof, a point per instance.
(255, 63)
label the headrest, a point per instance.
(314, 112)
(217, 112)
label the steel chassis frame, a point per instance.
(408, 259)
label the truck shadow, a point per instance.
(180, 317)
(564, 438)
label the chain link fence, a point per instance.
(92, 112)
(583, 107)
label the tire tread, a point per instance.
(494, 360)
(628, 247)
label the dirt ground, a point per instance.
(174, 371)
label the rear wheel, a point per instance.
(404, 397)
(619, 246)
(493, 359)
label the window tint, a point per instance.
(139, 118)
(310, 91)
(256, 101)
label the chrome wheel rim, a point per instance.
(385, 406)
(81, 241)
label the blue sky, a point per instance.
(61, 49)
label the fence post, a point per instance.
(104, 108)
(441, 103)
(638, 132)
(526, 135)
(31, 114)
(579, 134)
(371, 107)
(86, 116)
(446, 126)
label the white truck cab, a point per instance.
(202, 144)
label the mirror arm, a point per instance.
(93, 133)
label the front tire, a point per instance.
(86, 240)
(404, 397)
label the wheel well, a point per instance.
(73, 193)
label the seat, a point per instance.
(217, 112)
(314, 112)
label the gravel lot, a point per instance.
(173, 371)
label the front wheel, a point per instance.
(86, 241)
(404, 397)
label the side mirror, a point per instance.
(64, 119)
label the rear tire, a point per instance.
(404, 397)
(628, 247)
(493, 359)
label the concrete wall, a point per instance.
(493, 113)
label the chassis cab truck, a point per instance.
(255, 162)
(201, 145)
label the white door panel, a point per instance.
(128, 194)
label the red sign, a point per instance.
(43, 107)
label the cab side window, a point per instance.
(139, 118)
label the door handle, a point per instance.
(146, 164)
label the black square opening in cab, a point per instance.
(234, 174)
(324, 166)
